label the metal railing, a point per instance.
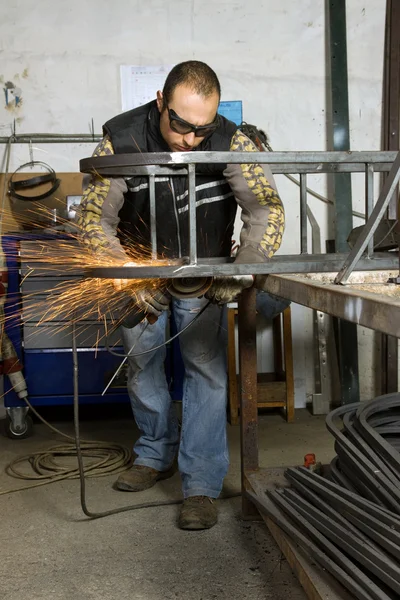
(362, 256)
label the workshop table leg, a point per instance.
(248, 392)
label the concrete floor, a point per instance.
(50, 550)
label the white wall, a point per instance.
(272, 56)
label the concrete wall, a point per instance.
(65, 58)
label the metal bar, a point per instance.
(340, 497)
(338, 566)
(153, 226)
(347, 343)
(357, 436)
(326, 545)
(360, 481)
(279, 168)
(365, 425)
(337, 476)
(364, 465)
(390, 372)
(311, 263)
(343, 217)
(146, 170)
(357, 546)
(187, 158)
(48, 138)
(192, 215)
(321, 400)
(247, 326)
(325, 507)
(369, 201)
(346, 337)
(364, 413)
(367, 555)
(315, 232)
(372, 223)
(330, 167)
(380, 538)
(303, 213)
(289, 370)
(340, 117)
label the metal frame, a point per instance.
(377, 213)
(177, 164)
(331, 299)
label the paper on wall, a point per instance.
(139, 84)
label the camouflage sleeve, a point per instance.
(101, 202)
(263, 214)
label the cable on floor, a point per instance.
(101, 459)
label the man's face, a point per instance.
(190, 107)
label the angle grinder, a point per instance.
(189, 287)
(181, 288)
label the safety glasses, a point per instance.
(183, 127)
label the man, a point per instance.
(182, 118)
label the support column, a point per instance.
(346, 333)
(248, 392)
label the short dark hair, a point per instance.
(195, 74)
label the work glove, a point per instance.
(152, 302)
(225, 289)
(143, 304)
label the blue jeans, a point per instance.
(202, 446)
(269, 306)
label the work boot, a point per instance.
(140, 478)
(198, 512)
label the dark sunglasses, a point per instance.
(183, 127)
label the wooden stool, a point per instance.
(274, 389)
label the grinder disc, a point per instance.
(189, 287)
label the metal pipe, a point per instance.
(303, 213)
(276, 168)
(285, 263)
(369, 201)
(248, 390)
(4, 191)
(193, 157)
(153, 227)
(192, 215)
(52, 138)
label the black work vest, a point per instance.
(138, 130)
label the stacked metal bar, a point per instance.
(349, 520)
